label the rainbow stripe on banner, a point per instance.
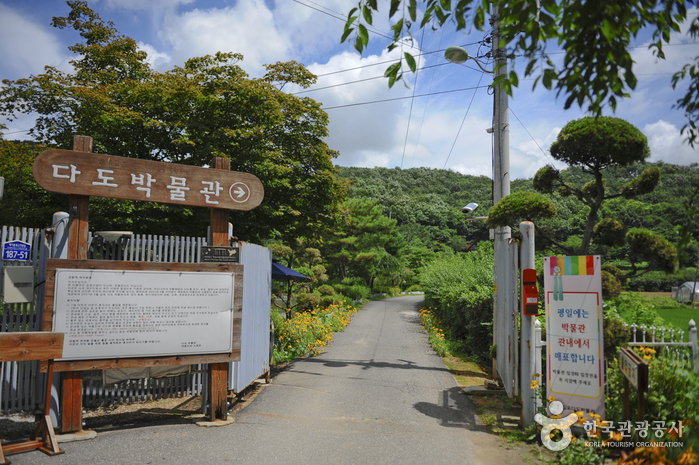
(580, 265)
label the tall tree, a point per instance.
(366, 245)
(208, 107)
(595, 37)
(595, 145)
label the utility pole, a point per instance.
(501, 184)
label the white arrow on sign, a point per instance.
(241, 191)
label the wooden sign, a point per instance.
(89, 174)
(210, 254)
(634, 368)
(126, 360)
(129, 313)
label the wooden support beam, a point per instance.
(35, 346)
(218, 372)
(72, 384)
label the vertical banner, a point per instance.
(574, 332)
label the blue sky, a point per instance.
(395, 130)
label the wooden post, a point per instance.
(218, 372)
(627, 403)
(72, 382)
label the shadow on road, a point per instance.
(368, 364)
(453, 411)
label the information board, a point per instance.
(125, 313)
(574, 337)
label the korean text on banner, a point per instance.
(574, 328)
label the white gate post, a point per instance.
(693, 344)
(527, 341)
(59, 249)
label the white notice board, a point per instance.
(123, 314)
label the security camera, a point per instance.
(468, 209)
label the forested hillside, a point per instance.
(427, 204)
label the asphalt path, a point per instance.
(379, 394)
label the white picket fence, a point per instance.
(675, 349)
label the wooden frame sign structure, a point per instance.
(635, 371)
(89, 174)
(93, 328)
(81, 174)
(17, 347)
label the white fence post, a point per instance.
(693, 344)
(538, 345)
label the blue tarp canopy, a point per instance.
(283, 273)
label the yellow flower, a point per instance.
(687, 458)
(551, 398)
(535, 384)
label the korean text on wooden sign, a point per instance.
(574, 333)
(90, 174)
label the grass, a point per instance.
(466, 372)
(672, 312)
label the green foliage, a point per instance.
(644, 184)
(673, 395)
(611, 286)
(545, 178)
(208, 107)
(647, 246)
(520, 206)
(616, 334)
(609, 232)
(364, 244)
(306, 333)
(601, 142)
(597, 67)
(577, 453)
(658, 281)
(634, 310)
(460, 288)
(24, 203)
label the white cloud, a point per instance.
(668, 145)
(247, 28)
(26, 47)
(146, 4)
(157, 60)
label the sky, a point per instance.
(437, 119)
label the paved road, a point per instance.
(378, 395)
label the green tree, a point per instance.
(595, 145)
(595, 37)
(366, 244)
(208, 107)
(306, 260)
(24, 203)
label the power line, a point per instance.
(403, 98)
(530, 136)
(463, 121)
(391, 61)
(412, 101)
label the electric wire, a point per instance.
(412, 101)
(530, 135)
(424, 110)
(463, 120)
(402, 98)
